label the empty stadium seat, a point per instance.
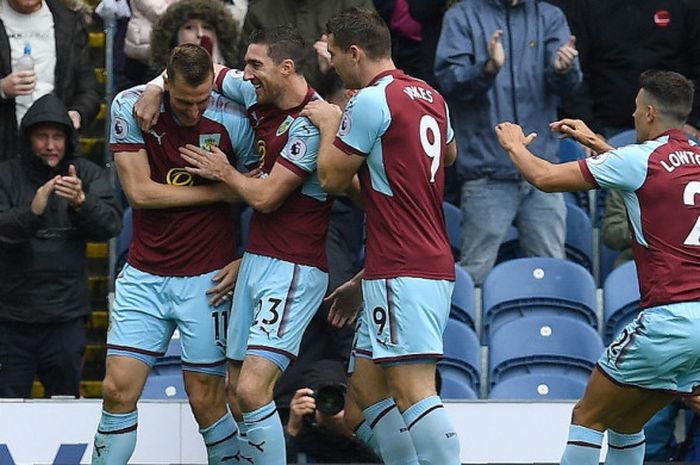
(540, 386)
(537, 344)
(579, 237)
(620, 299)
(606, 260)
(455, 384)
(462, 352)
(537, 285)
(453, 224)
(164, 387)
(462, 306)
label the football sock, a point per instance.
(221, 440)
(434, 435)
(364, 433)
(625, 449)
(115, 439)
(387, 424)
(583, 446)
(265, 435)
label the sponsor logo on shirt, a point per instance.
(179, 177)
(159, 137)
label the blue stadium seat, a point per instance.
(510, 246)
(462, 307)
(123, 241)
(164, 387)
(620, 299)
(456, 384)
(453, 224)
(540, 386)
(550, 344)
(606, 260)
(462, 352)
(537, 285)
(579, 237)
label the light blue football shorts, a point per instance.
(402, 319)
(660, 349)
(147, 309)
(273, 303)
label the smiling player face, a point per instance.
(263, 73)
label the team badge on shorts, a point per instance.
(207, 141)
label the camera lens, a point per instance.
(330, 399)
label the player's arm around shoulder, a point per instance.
(336, 166)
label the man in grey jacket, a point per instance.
(505, 60)
(52, 202)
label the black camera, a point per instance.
(330, 398)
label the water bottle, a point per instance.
(25, 63)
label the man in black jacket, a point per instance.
(52, 202)
(59, 44)
(616, 42)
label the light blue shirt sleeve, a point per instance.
(624, 168)
(243, 141)
(237, 89)
(365, 119)
(124, 129)
(301, 148)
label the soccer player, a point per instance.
(283, 275)
(658, 355)
(183, 237)
(395, 132)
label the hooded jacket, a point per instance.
(43, 266)
(525, 90)
(75, 81)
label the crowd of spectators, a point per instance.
(525, 61)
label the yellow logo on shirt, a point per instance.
(179, 177)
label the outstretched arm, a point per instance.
(546, 176)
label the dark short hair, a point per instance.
(191, 63)
(671, 93)
(363, 28)
(283, 43)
